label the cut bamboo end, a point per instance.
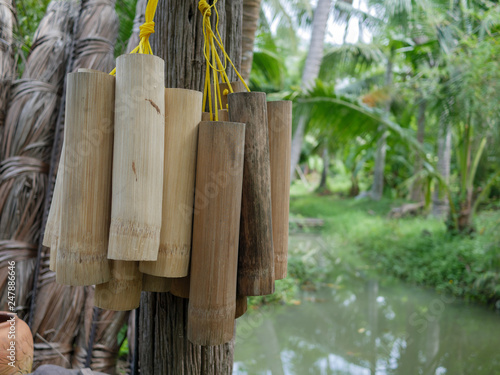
(86, 185)
(219, 177)
(180, 287)
(138, 158)
(241, 306)
(223, 115)
(183, 115)
(205, 116)
(256, 255)
(237, 86)
(279, 116)
(123, 291)
(152, 283)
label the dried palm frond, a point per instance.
(26, 147)
(95, 35)
(7, 65)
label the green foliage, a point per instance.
(418, 250)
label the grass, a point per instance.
(418, 250)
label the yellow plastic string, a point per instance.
(213, 61)
(145, 30)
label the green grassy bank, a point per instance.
(417, 250)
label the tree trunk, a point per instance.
(310, 73)
(378, 174)
(440, 204)
(326, 167)
(251, 11)
(164, 348)
(417, 188)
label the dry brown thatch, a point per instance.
(7, 65)
(26, 147)
(95, 36)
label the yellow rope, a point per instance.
(145, 30)
(213, 61)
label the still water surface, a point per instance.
(361, 324)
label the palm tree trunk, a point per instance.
(440, 205)
(7, 65)
(251, 10)
(311, 70)
(326, 167)
(417, 193)
(163, 347)
(378, 173)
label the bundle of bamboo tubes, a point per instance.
(155, 195)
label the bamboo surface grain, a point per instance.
(152, 283)
(123, 291)
(219, 178)
(138, 158)
(182, 116)
(256, 255)
(180, 287)
(280, 144)
(86, 186)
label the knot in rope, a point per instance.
(204, 8)
(146, 29)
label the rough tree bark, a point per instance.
(311, 71)
(164, 348)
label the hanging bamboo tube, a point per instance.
(182, 116)
(138, 158)
(123, 291)
(180, 287)
(158, 284)
(52, 227)
(241, 306)
(223, 115)
(219, 177)
(205, 116)
(86, 187)
(256, 256)
(279, 116)
(237, 86)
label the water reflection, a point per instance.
(360, 325)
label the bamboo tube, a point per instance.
(183, 114)
(223, 115)
(152, 283)
(52, 227)
(219, 177)
(256, 257)
(237, 86)
(205, 116)
(180, 287)
(279, 116)
(86, 186)
(138, 158)
(123, 291)
(241, 306)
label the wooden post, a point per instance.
(86, 186)
(219, 177)
(152, 283)
(256, 257)
(138, 158)
(123, 291)
(182, 116)
(279, 116)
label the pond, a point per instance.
(361, 323)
